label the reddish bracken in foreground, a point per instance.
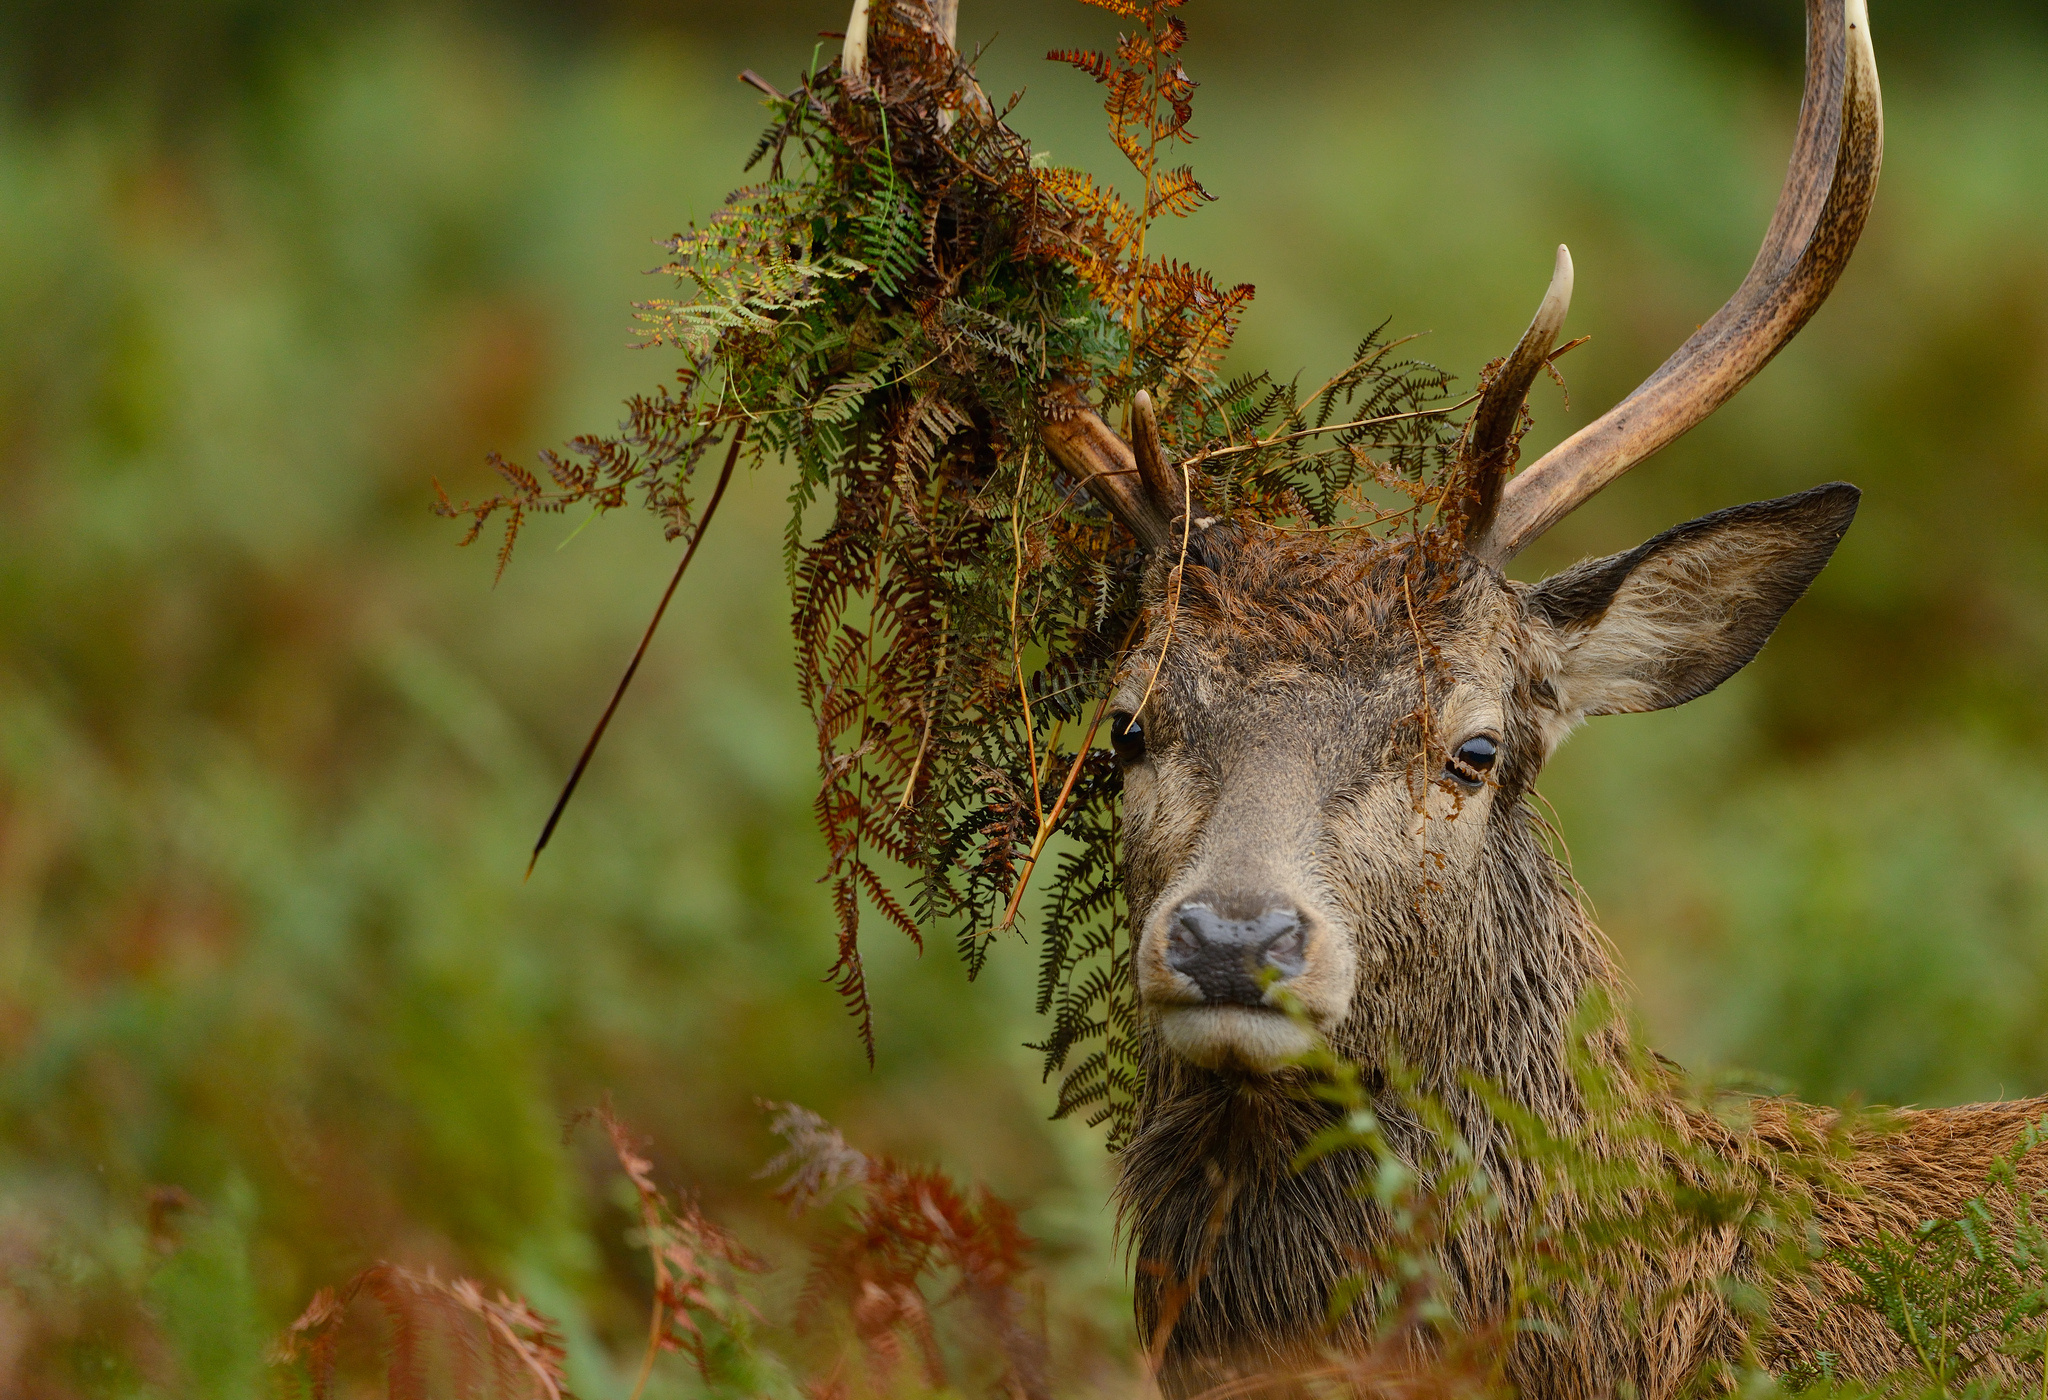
(876, 1316)
(881, 1278)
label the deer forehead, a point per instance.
(1255, 649)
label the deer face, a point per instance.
(1324, 754)
(1325, 746)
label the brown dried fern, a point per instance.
(485, 1345)
(886, 313)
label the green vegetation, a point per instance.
(895, 312)
(1959, 1291)
(275, 1005)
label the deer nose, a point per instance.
(1225, 957)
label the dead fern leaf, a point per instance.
(432, 1326)
(885, 312)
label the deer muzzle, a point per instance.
(1235, 961)
(1222, 977)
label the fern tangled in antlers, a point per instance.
(895, 311)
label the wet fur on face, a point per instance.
(1296, 738)
(1302, 698)
(1299, 695)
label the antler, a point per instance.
(1128, 483)
(939, 18)
(1160, 483)
(1489, 441)
(1820, 214)
(853, 53)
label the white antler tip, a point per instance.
(1558, 299)
(853, 58)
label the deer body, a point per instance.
(1327, 744)
(1294, 756)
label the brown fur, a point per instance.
(1295, 730)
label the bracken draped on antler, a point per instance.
(930, 326)
(1326, 845)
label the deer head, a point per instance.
(1326, 739)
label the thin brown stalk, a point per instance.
(1052, 746)
(654, 1323)
(1145, 209)
(1193, 358)
(1059, 806)
(526, 1357)
(1379, 518)
(732, 456)
(1359, 363)
(1017, 655)
(1279, 438)
(1425, 718)
(924, 744)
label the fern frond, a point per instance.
(1095, 65)
(881, 314)
(1178, 193)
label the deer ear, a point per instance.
(1671, 619)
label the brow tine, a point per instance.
(1082, 443)
(1489, 439)
(1152, 468)
(853, 54)
(1821, 211)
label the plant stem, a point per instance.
(653, 1344)
(1278, 438)
(590, 747)
(1016, 652)
(1050, 823)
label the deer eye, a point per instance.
(1127, 737)
(1472, 760)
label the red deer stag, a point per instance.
(1325, 761)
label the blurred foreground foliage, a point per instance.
(273, 1005)
(916, 1286)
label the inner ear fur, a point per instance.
(1671, 619)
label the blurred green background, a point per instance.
(272, 750)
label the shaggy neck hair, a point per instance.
(1478, 976)
(1207, 1190)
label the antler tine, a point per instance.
(1158, 476)
(1820, 215)
(853, 54)
(941, 20)
(1489, 439)
(1082, 443)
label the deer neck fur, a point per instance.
(1244, 1249)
